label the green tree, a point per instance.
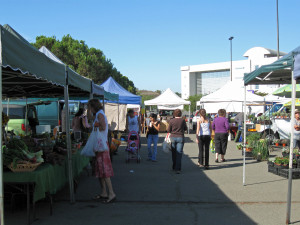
(88, 62)
(193, 99)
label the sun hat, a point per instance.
(297, 111)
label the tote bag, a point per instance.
(100, 141)
(167, 144)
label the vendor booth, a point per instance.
(285, 70)
(170, 101)
(118, 109)
(231, 98)
(26, 72)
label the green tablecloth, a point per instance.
(47, 177)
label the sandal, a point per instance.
(99, 197)
(107, 201)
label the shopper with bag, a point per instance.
(221, 129)
(203, 138)
(177, 127)
(103, 167)
(152, 134)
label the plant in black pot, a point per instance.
(285, 151)
(278, 162)
(285, 163)
(296, 153)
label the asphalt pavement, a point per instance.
(151, 193)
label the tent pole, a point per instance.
(70, 168)
(189, 118)
(244, 139)
(1, 156)
(7, 112)
(289, 195)
(118, 116)
(26, 115)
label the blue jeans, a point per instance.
(177, 144)
(152, 138)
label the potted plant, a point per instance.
(239, 146)
(249, 148)
(296, 154)
(285, 163)
(294, 163)
(284, 142)
(260, 151)
(276, 142)
(285, 151)
(278, 162)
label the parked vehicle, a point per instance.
(279, 126)
(38, 113)
(22, 119)
(52, 114)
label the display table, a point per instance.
(47, 178)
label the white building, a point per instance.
(207, 78)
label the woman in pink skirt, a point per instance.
(103, 167)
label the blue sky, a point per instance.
(149, 40)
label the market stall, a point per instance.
(168, 99)
(26, 72)
(118, 108)
(231, 98)
(285, 70)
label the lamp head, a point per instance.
(230, 38)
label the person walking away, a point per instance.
(297, 129)
(153, 137)
(103, 166)
(177, 127)
(221, 127)
(203, 138)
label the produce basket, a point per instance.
(24, 167)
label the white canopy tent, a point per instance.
(170, 100)
(231, 98)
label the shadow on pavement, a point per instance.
(149, 193)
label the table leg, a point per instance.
(28, 203)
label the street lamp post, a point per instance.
(230, 39)
(277, 29)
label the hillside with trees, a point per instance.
(88, 62)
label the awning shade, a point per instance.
(278, 72)
(29, 73)
(125, 97)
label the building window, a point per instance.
(209, 82)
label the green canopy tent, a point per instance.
(26, 72)
(279, 72)
(286, 91)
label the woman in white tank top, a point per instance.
(203, 138)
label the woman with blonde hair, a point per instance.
(203, 137)
(221, 128)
